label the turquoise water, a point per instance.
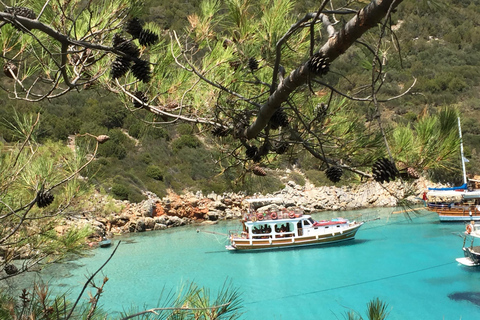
(409, 264)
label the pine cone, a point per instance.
(259, 171)
(278, 119)
(102, 138)
(253, 64)
(120, 67)
(10, 69)
(22, 12)
(10, 269)
(141, 70)
(319, 64)
(281, 147)
(134, 27)
(334, 173)
(384, 170)
(126, 46)
(44, 199)
(147, 38)
(142, 97)
(235, 64)
(412, 173)
(220, 131)
(251, 152)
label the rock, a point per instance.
(148, 208)
(140, 226)
(176, 210)
(213, 215)
(160, 226)
(149, 223)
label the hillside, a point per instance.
(439, 47)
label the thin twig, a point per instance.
(90, 280)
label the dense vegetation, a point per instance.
(438, 45)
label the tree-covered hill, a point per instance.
(434, 43)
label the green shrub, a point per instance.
(317, 178)
(135, 195)
(184, 129)
(146, 158)
(157, 187)
(297, 178)
(112, 149)
(102, 161)
(410, 116)
(185, 142)
(135, 130)
(120, 191)
(154, 172)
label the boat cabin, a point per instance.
(266, 226)
(303, 225)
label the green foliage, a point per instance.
(120, 191)
(71, 241)
(185, 141)
(296, 177)
(376, 310)
(117, 146)
(252, 184)
(432, 143)
(155, 172)
(146, 158)
(185, 129)
(317, 177)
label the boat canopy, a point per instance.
(472, 194)
(446, 193)
(462, 187)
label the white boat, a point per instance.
(454, 205)
(471, 251)
(274, 226)
(461, 203)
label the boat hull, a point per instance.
(454, 214)
(240, 244)
(473, 254)
(467, 262)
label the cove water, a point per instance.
(407, 263)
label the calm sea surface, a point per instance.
(409, 264)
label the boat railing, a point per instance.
(274, 214)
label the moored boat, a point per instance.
(472, 251)
(454, 205)
(274, 226)
(460, 203)
(105, 243)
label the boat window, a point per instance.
(306, 223)
(311, 221)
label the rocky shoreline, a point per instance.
(175, 210)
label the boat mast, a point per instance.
(461, 152)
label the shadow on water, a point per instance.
(470, 296)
